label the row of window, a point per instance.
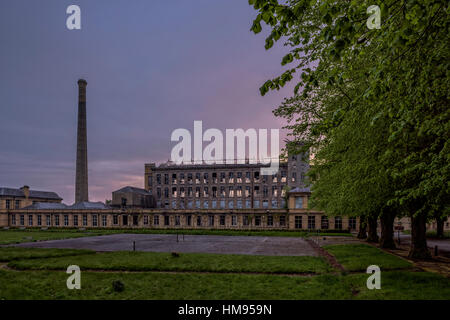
(55, 220)
(222, 192)
(221, 204)
(324, 222)
(222, 177)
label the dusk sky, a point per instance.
(151, 67)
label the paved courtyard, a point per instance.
(273, 246)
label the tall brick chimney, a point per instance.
(81, 182)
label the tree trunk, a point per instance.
(440, 227)
(387, 230)
(372, 233)
(419, 249)
(362, 233)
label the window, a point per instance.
(275, 178)
(214, 177)
(197, 192)
(156, 220)
(274, 203)
(274, 191)
(298, 222)
(75, 220)
(257, 220)
(294, 176)
(124, 202)
(85, 220)
(13, 219)
(247, 192)
(182, 178)
(282, 221)
(199, 221)
(222, 220)
(17, 204)
(231, 192)
(94, 220)
(57, 220)
(150, 180)
(233, 220)
(338, 223)
(158, 178)
(265, 192)
(311, 222)
(189, 220)
(239, 177)
(174, 192)
(247, 177)
(222, 204)
(174, 204)
(222, 192)
(174, 178)
(230, 204)
(298, 202)
(158, 193)
(205, 177)
(239, 191)
(255, 191)
(256, 176)
(239, 204)
(166, 192)
(248, 204)
(197, 177)
(30, 220)
(177, 220)
(8, 204)
(135, 220)
(283, 176)
(324, 222)
(214, 192)
(256, 204)
(230, 177)
(189, 193)
(352, 223)
(211, 220)
(205, 192)
(49, 220)
(189, 204)
(205, 204)
(197, 204)
(104, 220)
(66, 220)
(22, 220)
(214, 204)
(246, 220)
(270, 221)
(166, 178)
(115, 220)
(182, 193)
(222, 177)
(166, 220)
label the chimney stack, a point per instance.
(81, 182)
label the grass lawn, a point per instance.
(98, 285)
(13, 253)
(357, 257)
(19, 236)
(200, 262)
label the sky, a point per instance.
(151, 67)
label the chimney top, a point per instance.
(82, 81)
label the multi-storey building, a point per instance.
(223, 186)
(12, 198)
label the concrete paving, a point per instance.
(271, 246)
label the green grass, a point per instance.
(357, 257)
(98, 285)
(161, 261)
(14, 253)
(19, 236)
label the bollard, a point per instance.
(134, 245)
(436, 251)
(177, 237)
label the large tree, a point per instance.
(372, 104)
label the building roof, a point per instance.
(304, 190)
(13, 192)
(88, 205)
(46, 206)
(129, 189)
